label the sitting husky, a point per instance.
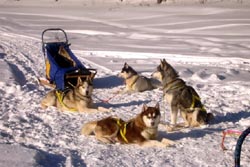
(77, 99)
(181, 97)
(135, 82)
(141, 130)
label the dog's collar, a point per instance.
(134, 80)
(81, 97)
(60, 96)
(170, 86)
(131, 76)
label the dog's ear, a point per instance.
(125, 65)
(144, 107)
(157, 106)
(162, 64)
(79, 81)
(90, 78)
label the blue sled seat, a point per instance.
(60, 70)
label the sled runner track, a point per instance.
(19, 56)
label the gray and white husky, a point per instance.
(135, 82)
(181, 97)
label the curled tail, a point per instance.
(88, 128)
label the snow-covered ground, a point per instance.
(208, 44)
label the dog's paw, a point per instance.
(110, 110)
(103, 109)
(168, 142)
(170, 128)
(43, 106)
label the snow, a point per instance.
(208, 44)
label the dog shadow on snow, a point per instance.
(131, 103)
(231, 117)
(200, 132)
(193, 133)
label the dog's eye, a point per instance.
(124, 70)
(150, 117)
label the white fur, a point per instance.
(168, 98)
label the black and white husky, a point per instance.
(135, 82)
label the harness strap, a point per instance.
(60, 96)
(172, 87)
(122, 131)
(134, 80)
(194, 99)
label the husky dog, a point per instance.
(140, 130)
(135, 82)
(77, 99)
(181, 97)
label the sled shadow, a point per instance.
(108, 82)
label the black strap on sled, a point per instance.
(237, 151)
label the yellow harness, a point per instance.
(131, 85)
(60, 96)
(122, 131)
(194, 99)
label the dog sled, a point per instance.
(62, 67)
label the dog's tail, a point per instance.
(88, 128)
(210, 117)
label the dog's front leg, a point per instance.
(103, 109)
(194, 122)
(174, 114)
(186, 117)
(155, 143)
(105, 140)
(48, 100)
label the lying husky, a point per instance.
(135, 82)
(141, 130)
(77, 99)
(181, 97)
